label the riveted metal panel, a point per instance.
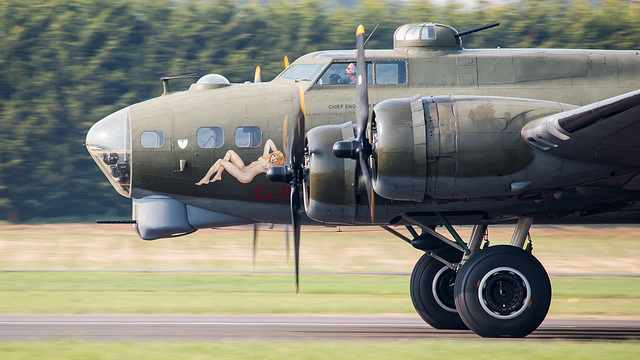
(419, 148)
(446, 169)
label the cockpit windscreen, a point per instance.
(301, 72)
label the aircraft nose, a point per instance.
(109, 143)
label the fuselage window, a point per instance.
(152, 139)
(343, 74)
(391, 72)
(210, 137)
(248, 136)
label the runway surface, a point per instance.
(277, 327)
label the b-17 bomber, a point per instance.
(423, 135)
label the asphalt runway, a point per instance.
(277, 327)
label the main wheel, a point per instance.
(431, 289)
(503, 291)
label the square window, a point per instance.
(152, 139)
(210, 137)
(248, 136)
(391, 72)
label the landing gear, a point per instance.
(502, 291)
(499, 291)
(431, 288)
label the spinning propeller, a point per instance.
(257, 78)
(293, 174)
(360, 148)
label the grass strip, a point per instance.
(495, 350)
(159, 293)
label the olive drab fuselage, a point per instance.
(425, 134)
(460, 152)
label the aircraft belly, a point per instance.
(249, 211)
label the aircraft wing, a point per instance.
(607, 131)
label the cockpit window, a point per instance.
(343, 73)
(335, 53)
(210, 137)
(248, 136)
(386, 72)
(301, 72)
(391, 72)
(152, 139)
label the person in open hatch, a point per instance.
(234, 165)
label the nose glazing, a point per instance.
(109, 143)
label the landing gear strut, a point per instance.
(499, 291)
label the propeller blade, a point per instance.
(297, 163)
(286, 62)
(366, 173)
(286, 240)
(372, 206)
(297, 147)
(286, 141)
(362, 116)
(293, 174)
(255, 244)
(362, 91)
(295, 221)
(360, 148)
(294, 145)
(257, 78)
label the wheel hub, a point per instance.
(442, 289)
(504, 293)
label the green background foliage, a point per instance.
(65, 64)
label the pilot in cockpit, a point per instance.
(335, 79)
(339, 74)
(350, 73)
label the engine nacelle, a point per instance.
(453, 147)
(328, 189)
(400, 167)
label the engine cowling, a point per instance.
(328, 190)
(453, 147)
(400, 159)
(443, 148)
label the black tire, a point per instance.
(431, 288)
(503, 291)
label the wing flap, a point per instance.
(607, 131)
